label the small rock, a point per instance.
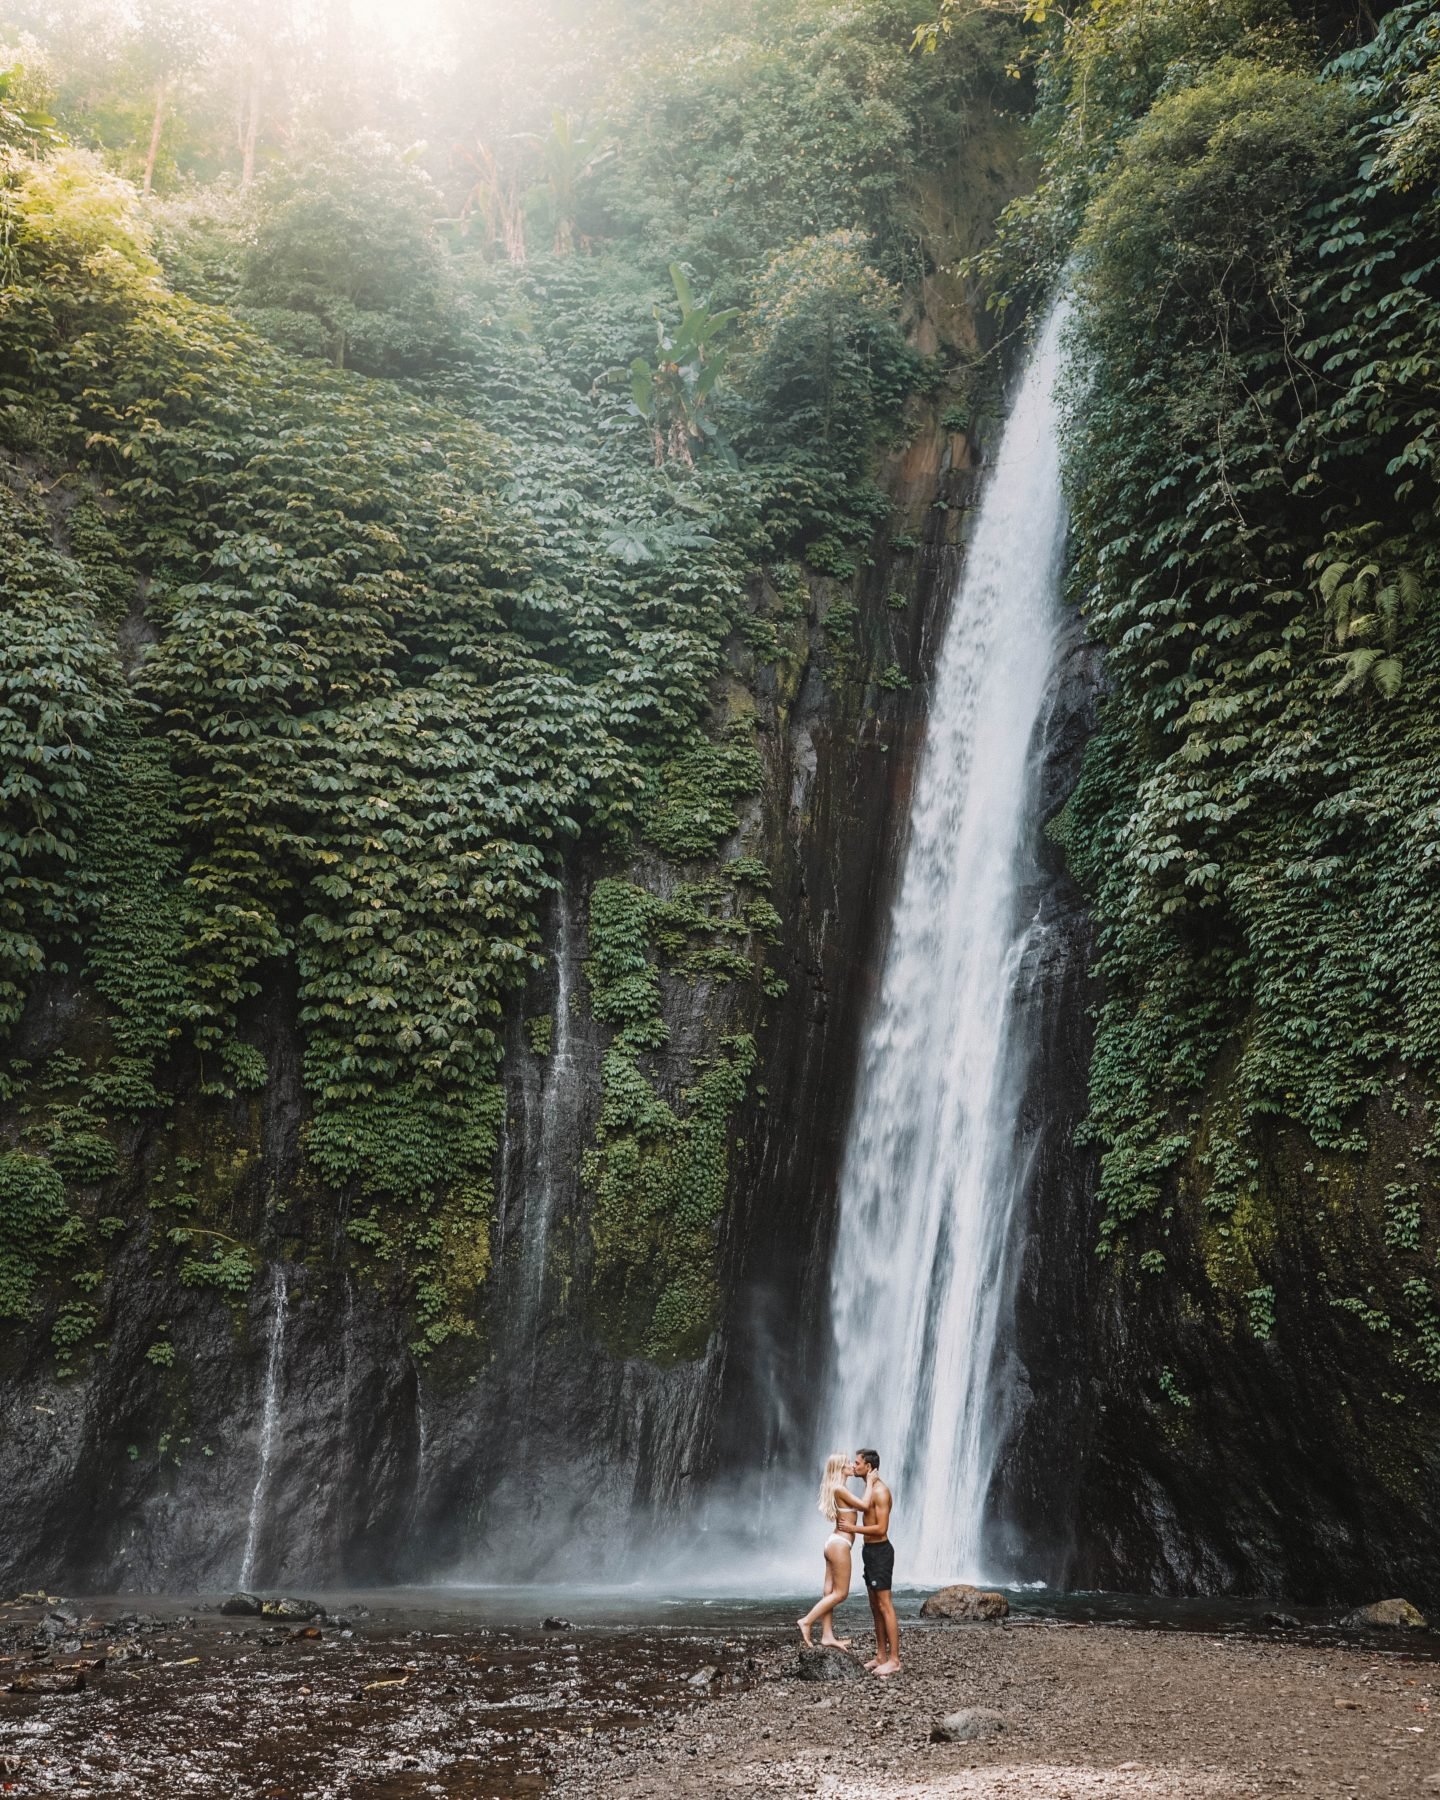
(48, 1681)
(241, 1606)
(969, 1723)
(704, 1678)
(965, 1603)
(823, 1663)
(1280, 1621)
(288, 1608)
(555, 1623)
(1385, 1615)
(54, 1628)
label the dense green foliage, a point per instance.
(660, 1177)
(375, 524)
(1254, 456)
(339, 258)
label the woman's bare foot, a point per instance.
(834, 1643)
(804, 1625)
(886, 1668)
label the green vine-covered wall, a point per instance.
(359, 593)
(1241, 200)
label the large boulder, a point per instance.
(966, 1604)
(1385, 1615)
(824, 1663)
(969, 1723)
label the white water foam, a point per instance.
(919, 1288)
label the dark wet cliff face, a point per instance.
(617, 1374)
(1207, 1432)
(1200, 1434)
(1047, 1398)
(1300, 1462)
(283, 1426)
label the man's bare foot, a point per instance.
(873, 1664)
(886, 1668)
(804, 1625)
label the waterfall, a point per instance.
(269, 1420)
(933, 1161)
(554, 1116)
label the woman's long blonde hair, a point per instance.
(830, 1480)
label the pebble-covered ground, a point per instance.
(1075, 1713)
(370, 1707)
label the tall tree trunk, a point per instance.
(339, 63)
(252, 124)
(514, 226)
(157, 126)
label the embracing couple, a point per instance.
(866, 1516)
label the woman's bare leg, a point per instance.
(837, 1581)
(827, 1588)
(837, 1589)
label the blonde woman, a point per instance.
(843, 1521)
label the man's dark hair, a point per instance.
(870, 1456)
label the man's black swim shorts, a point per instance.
(878, 1561)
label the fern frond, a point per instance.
(1387, 674)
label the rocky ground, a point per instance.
(1064, 1713)
(97, 1700)
(364, 1706)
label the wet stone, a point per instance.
(1385, 1615)
(823, 1663)
(54, 1627)
(968, 1725)
(241, 1606)
(49, 1681)
(289, 1608)
(965, 1604)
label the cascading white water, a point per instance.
(269, 1421)
(931, 1173)
(551, 1120)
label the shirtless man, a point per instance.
(877, 1559)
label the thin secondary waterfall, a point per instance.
(539, 1215)
(269, 1421)
(931, 1168)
